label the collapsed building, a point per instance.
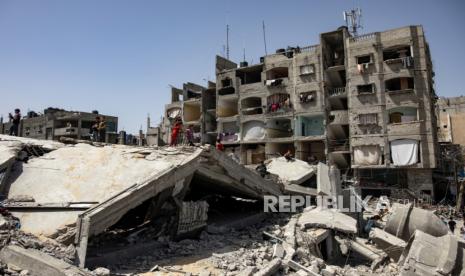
(79, 205)
(363, 104)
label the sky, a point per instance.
(121, 56)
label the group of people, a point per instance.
(98, 129)
(177, 129)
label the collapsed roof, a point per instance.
(95, 186)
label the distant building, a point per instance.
(451, 120)
(55, 123)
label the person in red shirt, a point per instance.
(175, 132)
(219, 145)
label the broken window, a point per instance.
(368, 119)
(364, 59)
(399, 84)
(307, 69)
(251, 74)
(226, 82)
(403, 115)
(306, 97)
(396, 53)
(277, 73)
(365, 89)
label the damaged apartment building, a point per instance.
(55, 123)
(364, 104)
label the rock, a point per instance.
(101, 271)
(4, 224)
(328, 271)
(24, 272)
(249, 271)
(13, 267)
(232, 267)
(204, 273)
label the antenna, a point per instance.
(227, 41)
(352, 19)
(264, 36)
(243, 57)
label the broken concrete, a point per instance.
(38, 263)
(422, 257)
(390, 243)
(291, 172)
(328, 219)
(404, 220)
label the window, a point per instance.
(307, 69)
(365, 89)
(368, 119)
(364, 59)
(226, 82)
(306, 97)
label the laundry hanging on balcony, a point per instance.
(404, 152)
(367, 155)
(278, 101)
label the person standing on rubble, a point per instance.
(288, 156)
(174, 133)
(219, 145)
(451, 224)
(190, 135)
(262, 170)
(94, 129)
(102, 129)
(15, 120)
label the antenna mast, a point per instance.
(264, 37)
(227, 41)
(352, 19)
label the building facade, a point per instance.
(364, 104)
(55, 123)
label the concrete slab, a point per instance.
(328, 219)
(38, 263)
(429, 255)
(291, 172)
(392, 245)
(404, 219)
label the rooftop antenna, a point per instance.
(227, 41)
(352, 19)
(264, 36)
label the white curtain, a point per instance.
(404, 152)
(367, 155)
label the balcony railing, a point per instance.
(337, 91)
(364, 37)
(407, 62)
(339, 145)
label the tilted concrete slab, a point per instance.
(404, 220)
(328, 219)
(233, 178)
(392, 244)
(38, 263)
(429, 255)
(291, 172)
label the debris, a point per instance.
(403, 220)
(101, 271)
(422, 257)
(328, 219)
(270, 269)
(392, 245)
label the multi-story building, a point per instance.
(55, 123)
(364, 104)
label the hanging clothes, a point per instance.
(367, 155)
(404, 152)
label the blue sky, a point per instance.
(120, 56)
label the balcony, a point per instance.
(70, 131)
(406, 62)
(338, 91)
